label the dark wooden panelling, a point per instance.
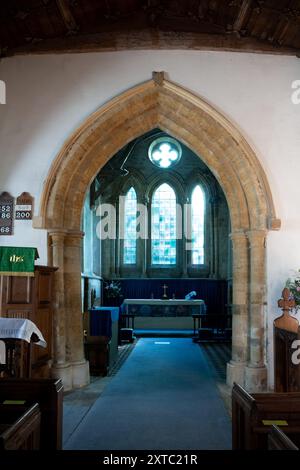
(18, 290)
(44, 288)
(31, 297)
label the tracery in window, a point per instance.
(165, 152)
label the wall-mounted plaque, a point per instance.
(6, 214)
(24, 207)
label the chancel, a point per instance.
(141, 206)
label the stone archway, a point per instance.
(160, 103)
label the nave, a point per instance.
(163, 397)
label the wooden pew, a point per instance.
(19, 427)
(48, 393)
(286, 333)
(278, 440)
(253, 416)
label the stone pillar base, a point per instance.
(235, 373)
(63, 372)
(256, 379)
(80, 374)
(74, 375)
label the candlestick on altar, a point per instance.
(165, 287)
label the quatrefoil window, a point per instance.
(165, 152)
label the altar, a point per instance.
(163, 308)
(163, 314)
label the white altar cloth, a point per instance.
(20, 328)
(163, 302)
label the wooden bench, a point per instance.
(253, 415)
(19, 427)
(278, 440)
(48, 393)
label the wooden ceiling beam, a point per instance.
(281, 31)
(67, 16)
(242, 16)
(151, 39)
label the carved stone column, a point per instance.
(256, 371)
(60, 368)
(236, 367)
(74, 344)
(214, 240)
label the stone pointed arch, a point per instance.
(187, 117)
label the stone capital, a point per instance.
(256, 237)
(74, 238)
(238, 235)
(57, 237)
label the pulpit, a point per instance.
(31, 297)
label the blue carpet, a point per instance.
(163, 397)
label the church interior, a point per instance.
(149, 229)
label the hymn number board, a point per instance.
(24, 207)
(6, 214)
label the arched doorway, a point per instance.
(160, 103)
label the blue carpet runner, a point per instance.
(163, 397)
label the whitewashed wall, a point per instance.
(49, 96)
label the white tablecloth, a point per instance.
(163, 302)
(20, 328)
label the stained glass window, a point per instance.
(198, 204)
(163, 226)
(130, 227)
